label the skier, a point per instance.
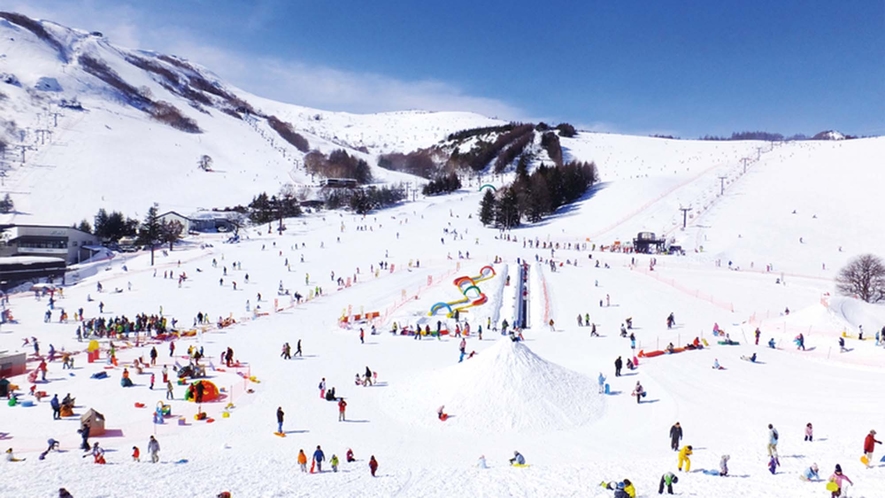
(342, 405)
(869, 445)
(517, 459)
(318, 458)
(809, 432)
(618, 364)
(667, 480)
(675, 436)
(772, 442)
(639, 392)
(723, 465)
(302, 460)
(682, 458)
(154, 449)
(373, 465)
(601, 383)
(280, 415)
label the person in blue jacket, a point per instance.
(56, 407)
(771, 343)
(810, 473)
(318, 457)
(601, 383)
(517, 459)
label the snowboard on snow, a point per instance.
(281, 434)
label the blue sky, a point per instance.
(686, 68)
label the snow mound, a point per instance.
(505, 388)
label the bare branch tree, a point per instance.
(864, 277)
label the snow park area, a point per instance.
(416, 338)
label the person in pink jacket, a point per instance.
(838, 477)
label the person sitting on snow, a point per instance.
(630, 365)
(771, 343)
(517, 459)
(349, 455)
(669, 348)
(716, 365)
(810, 473)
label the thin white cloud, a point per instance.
(291, 81)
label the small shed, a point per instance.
(12, 364)
(95, 421)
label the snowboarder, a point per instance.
(373, 465)
(869, 445)
(517, 459)
(667, 480)
(809, 432)
(772, 465)
(280, 415)
(154, 449)
(318, 458)
(618, 364)
(682, 458)
(675, 436)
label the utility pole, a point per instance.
(41, 135)
(722, 185)
(744, 160)
(685, 215)
(55, 116)
(23, 148)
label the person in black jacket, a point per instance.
(675, 436)
(84, 434)
(618, 364)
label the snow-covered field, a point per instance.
(763, 235)
(539, 398)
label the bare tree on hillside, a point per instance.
(863, 276)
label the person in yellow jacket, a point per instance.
(629, 489)
(683, 458)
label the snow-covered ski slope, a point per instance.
(572, 437)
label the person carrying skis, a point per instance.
(675, 436)
(838, 477)
(302, 460)
(667, 480)
(869, 445)
(682, 458)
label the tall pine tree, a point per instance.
(507, 215)
(151, 229)
(487, 208)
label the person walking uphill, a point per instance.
(154, 449)
(318, 458)
(302, 460)
(869, 446)
(838, 478)
(618, 364)
(682, 458)
(675, 436)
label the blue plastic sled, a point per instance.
(711, 472)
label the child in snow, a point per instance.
(772, 465)
(349, 455)
(716, 365)
(136, 454)
(302, 460)
(334, 463)
(838, 477)
(810, 474)
(809, 432)
(11, 458)
(373, 465)
(667, 480)
(723, 465)
(601, 380)
(639, 392)
(481, 463)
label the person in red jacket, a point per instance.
(869, 445)
(342, 405)
(373, 465)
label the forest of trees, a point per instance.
(531, 197)
(443, 184)
(339, 164)
(364, 200)
(418, 163)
